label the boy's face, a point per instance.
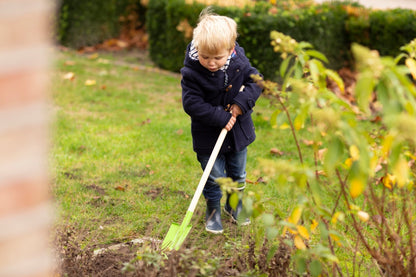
(213, 62)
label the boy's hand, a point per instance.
(235, 110)
(230, 123)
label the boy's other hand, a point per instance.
(230, 123)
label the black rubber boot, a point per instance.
(213, 217)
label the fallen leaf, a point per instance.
(93, 56)
(276, 152)
(120, 188)
(69, 76)
(261, 180)
(321, 154)
(147, 121)
(363, 216)
(179, 132)
(103, 61)
(308, 142)
(69, 63)
(90, 82)
(122, 44)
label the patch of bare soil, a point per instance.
(143, 258)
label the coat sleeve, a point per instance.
(196, 107)
(247, 98)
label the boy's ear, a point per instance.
(232, 50)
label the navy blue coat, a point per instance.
(205, 98)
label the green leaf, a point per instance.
(233, 201)
(273, 118)
(364, 89)
(271, 233)
(399, 57)
(284, 65)
(317, 54)
(316, 268)
(268, 219)
(298, 70)
(336, 78)
(334, 154)
(304, 45)
(300, 264)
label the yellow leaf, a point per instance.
(284, 126)
(356, 187)
(354, 207)
(401, 171)
(363, 216)
(374, 165)
(90, 82)
(295, 216)
(410, 155)
(389, 181)
(303, 232)
(299, 243)
(298, 123)
(334, 237)
(285, 229)
(337, 216)
(354, 152)
(386, 145)
(411, 64)
(348, 162)
(314, 224)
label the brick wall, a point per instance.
(25, 206)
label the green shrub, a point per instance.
(167, 45)
(391, 29)
(353, 194)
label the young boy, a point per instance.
(218, 92)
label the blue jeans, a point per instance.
(232, 165)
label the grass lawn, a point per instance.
(122, 161)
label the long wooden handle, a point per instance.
(207, 170)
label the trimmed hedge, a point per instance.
(86, 23)
(323, 26)
(389, 30)
(330, 27)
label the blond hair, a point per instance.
(214, 33)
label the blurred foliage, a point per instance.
(355, 193)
